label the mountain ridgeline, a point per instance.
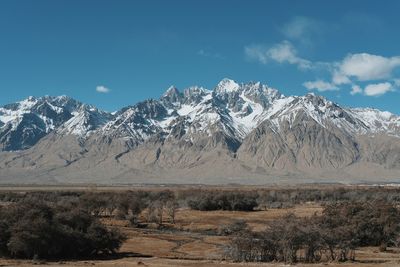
(244, 133)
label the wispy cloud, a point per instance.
(339, 78)
(102, 89)
(352, 69)
(378, 89)
(320, 86)
(360, 73)
(209, 53)
(356, 89)
(375, 89)
(301, 29)
(283, 52)
(362, 21)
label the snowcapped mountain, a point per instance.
(84, 121)
(378, 121)
(236, 110)
(137, 122)
(24, 123)
(233, 109)
(249, 126)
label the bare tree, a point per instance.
(171, 207)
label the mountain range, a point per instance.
(246, 133)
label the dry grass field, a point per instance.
(191, 241)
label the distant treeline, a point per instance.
(111, 202)
(262, 199)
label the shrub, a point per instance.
(332, 236)
(224, 200)
(37, 230)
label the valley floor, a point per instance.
(190, 242)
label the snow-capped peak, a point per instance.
(172, 90)
(379, 121)
(85, 120)
(12, 113)
(23, 123)
(27, 103)
(172, 97)
(227, 86)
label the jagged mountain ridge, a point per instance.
(27, 121)
(250, 127)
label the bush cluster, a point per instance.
(332, 236)
(224, 200)
(35, 229)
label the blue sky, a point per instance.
(347, 51)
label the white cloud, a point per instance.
(102, 89)
(320, 86)
(339, 78)
(367, 67)
(355, 89)
(378, 89)
(300, 28)
(256, 52)
(282, 53)
(353, 68)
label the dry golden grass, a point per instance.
(165, 262)
(210, 220)
(186, 243)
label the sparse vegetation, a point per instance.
(62, 224)
(332, 236)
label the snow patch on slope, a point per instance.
(245, 124)
(379, 121)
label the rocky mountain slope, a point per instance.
(235, 133)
